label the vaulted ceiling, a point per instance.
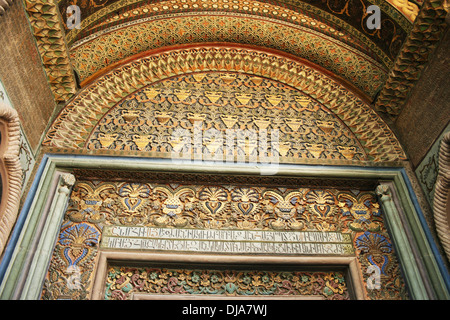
(332, 34)
(379, 65)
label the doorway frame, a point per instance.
(27, 256)
(105, 257)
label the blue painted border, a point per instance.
(426, 229)
(7, 255)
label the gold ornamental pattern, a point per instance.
(95, 204)
(144, 79)
(223, 104)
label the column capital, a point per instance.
(66, 181)
(384, 191)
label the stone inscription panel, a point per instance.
(227, 241)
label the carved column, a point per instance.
(405, 250)
(43, 252)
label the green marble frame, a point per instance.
(27, 256)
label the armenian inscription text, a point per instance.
(227, 241)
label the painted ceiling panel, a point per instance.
(332, 34)
(328, 25)
(344, 14)
(122, 42)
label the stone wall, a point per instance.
(427, 111)
(22, 74)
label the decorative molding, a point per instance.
(50, 39)
(428, 168)
(26, 154)
(303, 22)
(121, 42)
(45, 16)
(10, 169)
(325, 285)
(325, 222)
(441, 204)
(411, 263)
(122, 257)
(254, 107)
(413, 57)
(94, 16)
(52, 221)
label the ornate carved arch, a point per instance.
(76, 121)
(442, 195)
(10, 171)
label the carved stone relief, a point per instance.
(441, 203)
(10, 170)
(180, 208)
(4, 5)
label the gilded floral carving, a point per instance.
(123, 282)
(214, 207)
(314, 121)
